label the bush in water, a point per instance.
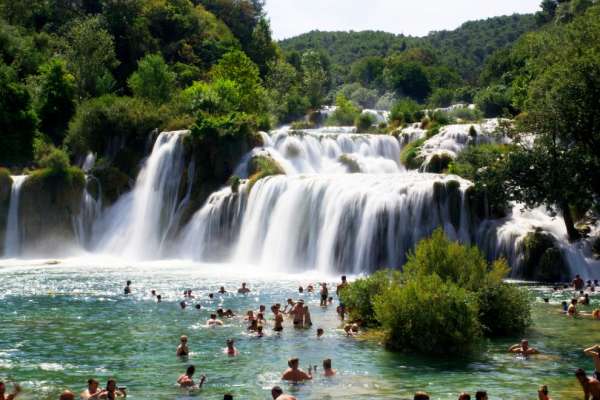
(428, 315)
(359, 296)
(345, 114)
(503, 309)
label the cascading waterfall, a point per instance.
(136, 226)
(12, 241)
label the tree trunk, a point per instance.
(569, 224)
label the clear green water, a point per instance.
(60, 325)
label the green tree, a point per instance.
(407, 78)
(18, 121)
(153, 79)
(314, 77)
(368, 71)
(55, 100)
(90, 54)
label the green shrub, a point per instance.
(466, 114)
(503, 310)
(345, 114)
(234, 183)
(441, 97)
(428, 315)
(262, 167)
(364, 122)
(409, 156)
(153, 79)
(359, 296)
(438, 163)
(405, 112)
(495, 101)
(469, 161)
(441, 118)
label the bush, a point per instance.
(428, 315)
(466, 114)
(262, 167)
(359, 296)
(364, 122)
(345, 114)
(438, 163)
(473, 158)
(495, 101)
(441, 97)
(409, 156)
(503, 310)
(542, 260)
(405, 112)
(56, 160)
(153, 79)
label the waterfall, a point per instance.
(12, 241)
(91, 210)
(136, 226)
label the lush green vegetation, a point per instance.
(447, 298)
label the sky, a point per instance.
(410, 17)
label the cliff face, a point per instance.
(5, 187)
(49, 204)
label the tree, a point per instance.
(368, 71)
(55, 100)
(90, 54)
(407, 78)
(262, 49)
(18, 121)
(153, 79)
(314, 78)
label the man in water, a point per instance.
(186, 380)
(341, 286)
(182, 305)
(278, 327)
(464, 396)
(93, 390)
(243, 289)
(13, 395)
(290, 304)
(594, 352)
(67, 395)
(153, 293)
(230, 350)
(277, 394)
(159, 298)
(182, 349)
(543, 393)
(590, 386)
(578, 283)
(298, 314)
(222, 290)
(294, 373)
(327, 370)
(523, 348)
(213, 321)
(127, 289)
(112, 392)
(481, 395)
(421, 396)
(324, 294)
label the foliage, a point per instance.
(405, 112)
(18, 120)
(503, 309)
(153, 79)
(262, 167)
(409, 157)
(345, 113)
(473, 158)
(314, 77)
(428, 315)
(359, 95)
(542, 260)
(358, 298)
(495, 101)
(55, 99)
(407, 78)
(364, 122)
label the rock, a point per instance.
(349, 163)
(542, 259)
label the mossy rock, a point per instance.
(438, 163)
(261, 167)
(455, 202)
(542, 259)
(49, 202)
(113, 183)
(350, 163)
(410, 156)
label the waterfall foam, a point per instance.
(136, 226)
(12, 241)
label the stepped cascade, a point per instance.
(344, 204)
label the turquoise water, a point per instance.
(61, 324)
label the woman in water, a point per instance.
(186, 380)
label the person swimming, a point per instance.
(324, 294)
(92, 391)
(13, 395)
(277, 394)
(243, 289)
(543, 393)
(213, 321)
(182, 349)
(230, 350)
(320, 332)
(327, 370)
(182, 305)
(187, 380)
(590, 386)
(222, 290)
(253, 327)
(111, 391)
(307, 319)
(294, 373)
(577, 282)
(572, 310)
(278, 327)
(127, 289)
(259, 331)
(523, 348)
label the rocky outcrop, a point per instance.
(49, 203)
(542, 259)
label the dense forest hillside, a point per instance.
(464, 49)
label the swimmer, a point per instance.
(310, 289)
(182, 305)
(543, 393)
(153, 293)
(213, 321)
(112, 392)
(249, 316)
(222, 290)
(330, 300)
(523, 348)
(294, 373)
(300, 289)
(262, 309)
(190, 295)
(307, 319)
(351, 329)
(278, 319)
(596, 314)
(67, 395)
(577, 283)
(277, 394)
(594, 352)
(341, 286)
(572, 310)
(211, 296)
(186, 380)
(158, 298)
(243, 289)
(198, 306)
(230, 350)
(585, 300)
(324, 294)
(220, 313)
(590, 386)
(464, 396)
(260, 318)
(253, 326)
(227, 396)
(320, 332)
(327, 370)
(182, 349)
(565, 307)
(92, 391)
(127, 289)
(421, 396)
(229, 313)
(298, 314)
(481, 395)
(259, 331)
(13, 395)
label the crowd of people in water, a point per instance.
(299, 314)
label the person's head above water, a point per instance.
(92, 384)
(293, 363)
(524, 344)
(276, 392)
(230, 343)
(111, 385)
(421, 396)
(327, 363)
(481, 395)
(581, 375)
(464, 396)
(228, 396)
(67, 395)
(243, 284)
(213, 316)
(320, 332)
(183, 339)
(128, 283)
(190, 370)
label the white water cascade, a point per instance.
(136, 226)
(12, 241)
